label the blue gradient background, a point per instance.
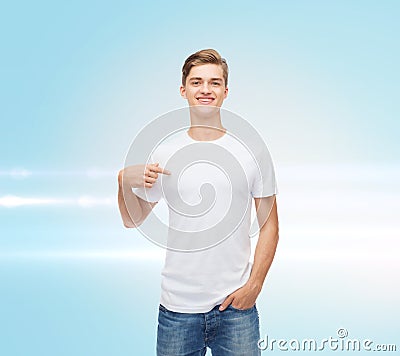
(319, 80)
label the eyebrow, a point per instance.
(199, 78)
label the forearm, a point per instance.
(246, 296)
(263, 255)
(126, 198)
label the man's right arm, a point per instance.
(136, 176)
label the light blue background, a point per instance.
(78, 79)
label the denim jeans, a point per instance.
(232, 332)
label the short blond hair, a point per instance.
(204, 56)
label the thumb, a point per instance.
(228, 300)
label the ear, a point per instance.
(182, 90)
(226, 92)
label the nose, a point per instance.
(205, 89)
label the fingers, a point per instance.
(155, 168)
(150, 174)
(150, 179)
(228, 300)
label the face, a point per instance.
(205, 85)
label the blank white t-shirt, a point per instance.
(196, 280)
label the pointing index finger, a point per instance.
(158, 169)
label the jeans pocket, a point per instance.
(241, 310)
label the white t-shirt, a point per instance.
(195, 278)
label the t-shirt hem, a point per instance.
(190, 310)
(265, 195)
(144, 196)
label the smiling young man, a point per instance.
(208, 295)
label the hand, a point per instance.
(141, 175)
(242, 298)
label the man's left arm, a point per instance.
(245, 297)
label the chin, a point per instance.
(205, 110)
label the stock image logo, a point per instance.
(211, 183)
(340, 342)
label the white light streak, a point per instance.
(12, 201)
(139, 255)
(95, 173)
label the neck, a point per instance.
(205, 124)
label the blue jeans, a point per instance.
(230, 332)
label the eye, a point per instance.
(195, 82)
(216, 83)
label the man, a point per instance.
(208, 295)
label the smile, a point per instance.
(205, 100)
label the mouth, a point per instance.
(205, 100)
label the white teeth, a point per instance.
(205, 100)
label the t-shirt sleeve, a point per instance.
(264, 183)
(153, 194)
